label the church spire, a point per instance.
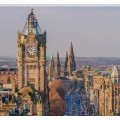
(52, 62)
(71, 65)
(66, 62)
(51, 67)
(58, 59)
(71, 50)
(58, 66)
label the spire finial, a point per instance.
(71, 50)
(71, 45)
(58, 63)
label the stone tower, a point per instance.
(31, 55)
(71, 65)
(51, 68)
(57, 66)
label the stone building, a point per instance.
(115, 98)
(107, 94)
(32, 99)
(115, 90)
(6, 75)
(105, 98)
(69, 69)
(31, 58)
(57, 66)
(70, 64)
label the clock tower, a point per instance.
(31, 55)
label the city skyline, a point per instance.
(34, 85)
(94, 30)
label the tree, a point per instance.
(57, 95)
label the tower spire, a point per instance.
(52, 62)
(52, 58)
(58, 66)
(71, 50)
(66, 61)
(71, 66)
(58, 59)
(51, 67)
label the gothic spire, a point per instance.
(57, 66)
(66, 55)
(51, 67)
(71, 50)
(58, 59)
(52, 58)
(71, 66)
(52, 62)
(66, 62)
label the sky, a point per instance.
(94, 31)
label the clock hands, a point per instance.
(31, 50)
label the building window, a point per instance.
(115, 93)
(115, 88)
(34, 66)
(27, 66)
(31, 67)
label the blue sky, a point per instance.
(94, 31)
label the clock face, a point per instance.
(31, 50)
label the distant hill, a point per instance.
(10, 61)
(80, 61)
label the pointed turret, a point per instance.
(71, 50)
(57, 66)
(66, 62)
(71, 65)
(58, 59)
(51, 67)
(52, 58)
(52, 62)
